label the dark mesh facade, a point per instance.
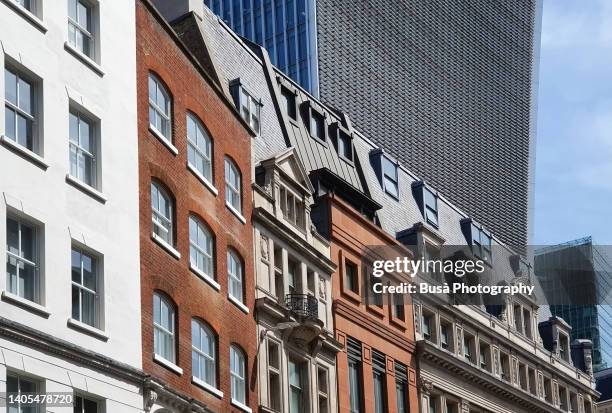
(444, 86)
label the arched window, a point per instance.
(201, 245)
(233, 185)
(160, 117)
(164, 320)
(238, 375)
(203, 353)
(199, 152)
(234, 276)
(161, 205)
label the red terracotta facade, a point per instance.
(159, 52)
(355, 317)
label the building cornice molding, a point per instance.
(464, 371)
(46, 343)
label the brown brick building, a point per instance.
(377, 368)
(199, 337)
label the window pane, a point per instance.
(76, 303)
(12, 235)
(24, 132)
(85, 135)
(76, 266)
(10, 86)
(9, 124)
(89, 406)
(72, 9)
(25, 96)
(89, 272)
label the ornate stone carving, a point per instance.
(465, 406)
(322, 289)
(588, 363)
(149, 399)
(264, 245)
(426, 386)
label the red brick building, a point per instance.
(377, 368)
(199, 338)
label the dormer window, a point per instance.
(289, 100)
(292, 208)
(430, 206)
(390, 177)
(317, 125)
(481, 243)
(247, 104)
(563, 347)
(345, 146)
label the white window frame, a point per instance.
(207, 362)
(323, 394)
(233, 190)
(235, 279)
(274, 370)
(390, 183)
(301, 388)
(200, 155)
(18, 111)
(86, 290)
(161, 222)
(80, 27)
(250, 109)
(80, 151)
(164, 113)
(38, 387)
(238, 375)
(169, 331)
(430, 211)
(20, 259)
(206, 251)
(289, 199)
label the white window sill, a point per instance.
(168, 364)
(163, 140)
(235, 212)
(24, 152)
(166, 246)
(205, 181)
(23, 302)
(241, 406)
(86, 188)
(207, 387)
(88, 61)
(27, 14)
(240, 305)
(205, 277)
(87, 329)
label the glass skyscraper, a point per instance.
(577, 280)
(286, 28)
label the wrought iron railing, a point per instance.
(303, 305)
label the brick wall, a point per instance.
(358, 318)
(158, 52)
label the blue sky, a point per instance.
(573, 192)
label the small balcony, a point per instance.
(304, 306)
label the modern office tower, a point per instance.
(196, 237)
(70, 309)
(577, 278)
(286, 28)
(449, 88)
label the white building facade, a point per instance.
(70, 318)
(297, 350)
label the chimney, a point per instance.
(173, 9)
